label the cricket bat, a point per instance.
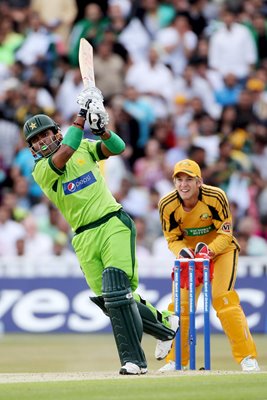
(86, 63)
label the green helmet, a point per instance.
(37, 124)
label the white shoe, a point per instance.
(164, 347)
(169, 367)
(132, 369)
(249, 364)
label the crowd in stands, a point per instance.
(181, 79)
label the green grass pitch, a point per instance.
(70, 367)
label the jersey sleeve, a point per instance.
(45, 173)
(94, 148)
(222, 220)
(170, 227)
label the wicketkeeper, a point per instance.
(197, 223)
(67, 170)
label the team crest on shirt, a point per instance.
(205, 216)
(81, 161)
(226, 227)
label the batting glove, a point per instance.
(89, 95)
(86, 98)
(98, 122)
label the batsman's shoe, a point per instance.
(249, 364)
(164, 347)
(132, 369)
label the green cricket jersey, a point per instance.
(79, 191)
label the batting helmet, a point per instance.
(37, 124)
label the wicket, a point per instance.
(192, 311)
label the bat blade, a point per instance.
(86, 63)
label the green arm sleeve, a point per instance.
(73, 137)
(114, 144)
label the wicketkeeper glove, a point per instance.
(202, 251)
(186, 253)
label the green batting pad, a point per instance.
(124, 315)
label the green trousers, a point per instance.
(111, 244)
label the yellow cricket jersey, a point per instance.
(210, 221)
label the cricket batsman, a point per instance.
(67, 171)
(197, 223)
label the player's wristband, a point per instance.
(114, 143)
(73, 137)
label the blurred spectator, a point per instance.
(110, 36)
(128, 128)
(257, 89)
(262, 227)
(38, 46)
(60, 246)
(222, 169)
(154, 15)
(203, 70)
(231, 48)
(227, 121)
(90, 27)
(191, 85)
(31, 104)
(258, 29)
(134, 198)
(71, 86)
(10, 41)
(10, 200)
(21, 189)
(152, 221)
(205, 135)
(245, 116)
(137, 106)
(229, 93)
(147, 18)
(198, 18)
(154, 80)
(39, 80)
(108, 64)
(11, 98)
(163, 131)
(177, 43)
(9, 137)
(150, 169)
(59, 20)
(51, 221)
(23, 165)
(10, 232)
(37, 244)
(115, 170)
(142, 247)
(252, 245)
(182, 115)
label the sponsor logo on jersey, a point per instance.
(226, 227)
(79, 183)
(199, 231)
